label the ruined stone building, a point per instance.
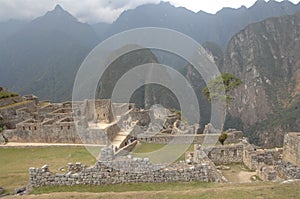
(119, 126)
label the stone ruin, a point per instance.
(112, 169)
(31, 121)
(199, 165)
(120, 126)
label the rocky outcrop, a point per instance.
(266, 57)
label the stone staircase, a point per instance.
(120, 139)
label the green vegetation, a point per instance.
(6, 94)
(16, 104)
(15, 162)
(285, 118)
(143, 148)
(222, 138)
(219, 89)
(174, 190)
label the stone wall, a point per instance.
(61, 131)
(226, 154)
(266, 173)
(291, 150)
(9, 113)
(286, 170)
(112, 131)
(122, 108)
(132, 170)
(11, 100)
(250, 157)
(142, 117)
(100, 110)
(233, 137)
(126, 149)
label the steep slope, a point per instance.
(43, 57)
(266, 57)
(146, 95)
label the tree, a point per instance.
(219, 89)
(222, 138)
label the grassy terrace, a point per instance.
(15, 162)
(174, 190)
(143, 150)
(15, 104)
(6, 94)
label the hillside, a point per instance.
(43, 56)
(266, 57)
(144, 96)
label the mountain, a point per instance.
(145, 95)
(9, 28)
(44, 56)
(201, 26)
(266, 57)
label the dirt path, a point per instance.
(244, 176)
(18, 144)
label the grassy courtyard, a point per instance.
(15, 162)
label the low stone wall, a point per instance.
(133, 170)
(57, 135)
(266, 173)
(233, 137)
(286, 170)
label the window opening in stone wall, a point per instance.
(234, 152)
(222, 152)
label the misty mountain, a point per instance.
(201, 26)
(9, 28)
(44, 56)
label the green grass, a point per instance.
(144, 150)
(174, 190)
(15, 104)
(6, 94)
(124, 187)
(15, 162)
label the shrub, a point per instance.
(222, 138)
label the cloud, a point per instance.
(94, 11)
(91, 11)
